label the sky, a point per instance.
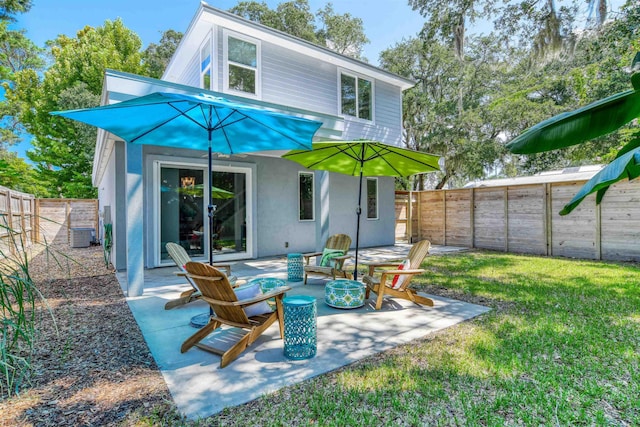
(386, 22)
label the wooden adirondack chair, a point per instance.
(383, 284)
(337, 242)
(179, 255)
(228, 310)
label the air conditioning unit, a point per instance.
(81, 237)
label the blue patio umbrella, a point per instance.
(199, 122)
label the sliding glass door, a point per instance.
(183, 214)
(230, 219)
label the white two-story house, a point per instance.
(266, 205)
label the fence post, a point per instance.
(444, 217)
(419, 221)
(598, 231)
(67, 215)
(506, 218)
(548, 235)
(409, 219)
(36, 220)
(12, 248)
(472, 224)
(23, 230)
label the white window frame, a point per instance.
(373, 95)
(225, 57)
(313, 196)
(213, 80)
(366, 190)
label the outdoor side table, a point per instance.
(300, 330)
(343, 293)
(295, 268)
(267, 284)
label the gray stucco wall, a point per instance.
(278, 220)
(275, 211)
(111, 194)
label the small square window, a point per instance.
(372, 198)
(306, 193)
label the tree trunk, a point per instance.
(444, 180)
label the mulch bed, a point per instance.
(91, 364)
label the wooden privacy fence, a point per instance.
(525, 219)
(17, 230)
(56, 218)
(25, 219)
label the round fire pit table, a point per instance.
(343, 293)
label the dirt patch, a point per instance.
(91, 365)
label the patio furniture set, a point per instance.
(261, 302)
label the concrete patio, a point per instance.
(344, 336)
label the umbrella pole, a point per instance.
(358, 211)
(210, 208)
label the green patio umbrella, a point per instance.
(594, 120)
(364, 158)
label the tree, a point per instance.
(596, 69)
(606, 119)
(434, 119)
(501, 88)
(8, 8)
(18, 175)
(157, 56)
(17, 53)
(341, 33)
(63, 150)
(292, 17)
(544, 27)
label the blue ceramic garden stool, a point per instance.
(300, 330)
(295, 268)
(267, 284)
(344, 293)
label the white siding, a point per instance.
(191, 74)
(292, 79)
(297, 80)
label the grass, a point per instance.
(561, 346)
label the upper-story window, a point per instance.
(205, 64)
(356, 96)
(242, 64)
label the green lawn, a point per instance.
(560, 347)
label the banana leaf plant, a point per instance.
(586, 123)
